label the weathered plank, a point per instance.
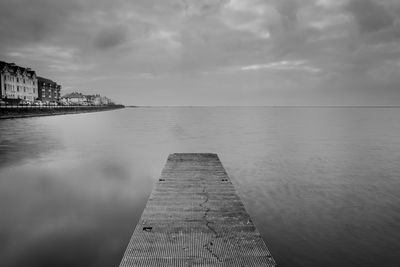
(195, 218)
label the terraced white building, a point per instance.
(17, 83)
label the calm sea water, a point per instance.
(322, 184)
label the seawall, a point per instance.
(26, 112)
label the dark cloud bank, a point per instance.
(182, 52)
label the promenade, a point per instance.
(13, 112)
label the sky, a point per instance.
(211, 52)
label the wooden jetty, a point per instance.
(194, 217)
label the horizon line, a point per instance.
(268, 106)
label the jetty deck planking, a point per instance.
(194, 217)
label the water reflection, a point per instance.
(321, 184)
(67, 197)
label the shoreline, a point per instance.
(17, 113)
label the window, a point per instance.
(17, 88)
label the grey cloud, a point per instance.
(194, 7)
(24, 21)
(369, 15)
(288, 11)
(111, 37)
(181, 37)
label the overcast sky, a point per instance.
(210, 52)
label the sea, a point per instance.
(322, 184)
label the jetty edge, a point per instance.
(194, 217)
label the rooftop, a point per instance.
(13, 68)
(74, 95)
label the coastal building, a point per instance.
(74, 98)
(17, 83)
(48, 90)
(94, 100)
(105, 101)
(98, 100)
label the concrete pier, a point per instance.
(194, 217)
